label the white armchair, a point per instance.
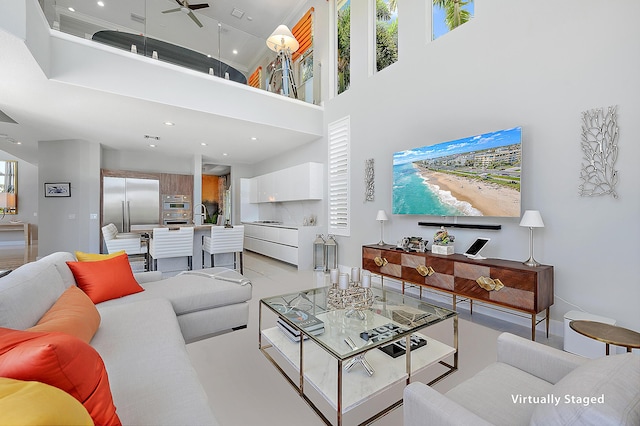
(517, 390)
(225, 240)
(166, 243)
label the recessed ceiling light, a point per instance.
(169, 123)
(152, 145)
(101, 3)
(235, 52)
(253, 138)
(203, 144)
(224, 154)
(71, 9)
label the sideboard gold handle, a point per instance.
(380, 261)
(490, 284)
(425, 271)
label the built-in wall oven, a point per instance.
(176, 209)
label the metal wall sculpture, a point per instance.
(600, 148)
(369, 185)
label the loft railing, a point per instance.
(143, 27)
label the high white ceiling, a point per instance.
(49, 110)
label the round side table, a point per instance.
(609, 334)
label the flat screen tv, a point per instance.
(474, 176)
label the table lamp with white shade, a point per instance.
(382, 217)
(531, 219)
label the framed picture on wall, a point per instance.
(57, 189)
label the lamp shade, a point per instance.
(7, 200)
(282, 39)
(382, 215)
(532, 219)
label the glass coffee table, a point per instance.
(350, 358)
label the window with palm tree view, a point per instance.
(450, 14)
(344, 43)
(386, 33)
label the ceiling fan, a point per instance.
(187, 8)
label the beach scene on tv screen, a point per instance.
(474, 176)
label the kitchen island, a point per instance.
(290, 243)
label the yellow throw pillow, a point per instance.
(35, 403)
(92, 257)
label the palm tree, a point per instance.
(455, 15)
(386, 35)
(344, 49)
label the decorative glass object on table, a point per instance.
(351, 292)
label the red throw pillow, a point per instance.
(105, 279)
(63, 361)
(73, 313)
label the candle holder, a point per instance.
(351, 292)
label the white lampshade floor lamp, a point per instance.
(531, 219)
(284, 44)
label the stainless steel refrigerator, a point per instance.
(131, 204)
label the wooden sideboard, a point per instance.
(526, 289)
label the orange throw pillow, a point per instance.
(105, 279)
(63, 361)
(73, 313)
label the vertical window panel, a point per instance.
(343, 35)
(339, 133)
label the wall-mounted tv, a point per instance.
(474, 176)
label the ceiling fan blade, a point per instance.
(198, 6)
(192, 16)
(171, 10)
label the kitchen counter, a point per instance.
(278, 225)
(290, 243)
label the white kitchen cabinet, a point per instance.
(293, 245)
(297, 183)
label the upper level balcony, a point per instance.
(164, 52)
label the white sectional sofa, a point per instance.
(141, 337)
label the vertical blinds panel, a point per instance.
(256, 78)
(339, 152)
(303, 32)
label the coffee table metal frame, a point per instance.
(343, 358)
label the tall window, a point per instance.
(344, 44)
(386, 33)
(450, 14)
(339, 140)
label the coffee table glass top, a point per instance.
(389, 310)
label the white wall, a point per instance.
(148, 161)
(64, 223)
(532, 64)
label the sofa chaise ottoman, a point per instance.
(141, 336)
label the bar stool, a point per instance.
(168, 243)
(133, 244)
(224, 240)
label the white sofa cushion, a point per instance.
(191, 293)
(490, 394)
(613, 382)
(152, 379)
(27, 293)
